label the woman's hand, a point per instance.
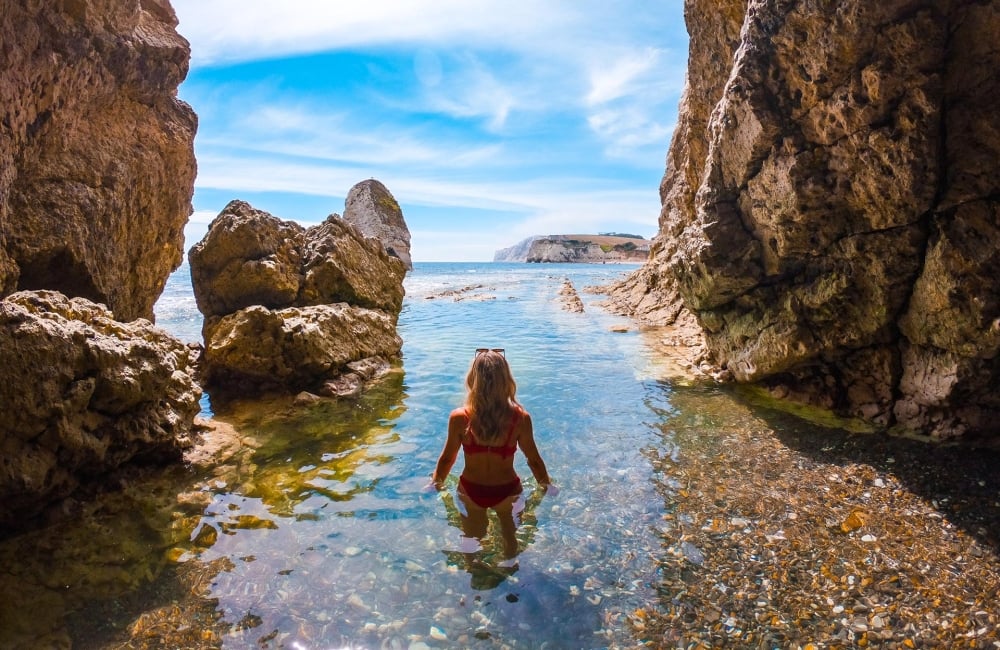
(549, 489)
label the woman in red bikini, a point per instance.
(489, 428)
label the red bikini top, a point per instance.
(470, 445)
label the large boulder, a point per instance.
(97, 162)
(829, 206)
(260, 349)
(372, 209)
(290, 308)
(82, 394)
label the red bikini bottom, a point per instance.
(487, 496)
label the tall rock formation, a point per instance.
(830, 210)
(96, 152)
(372, 209)
(289, 308)
(96, 176)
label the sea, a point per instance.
(682, 516)
(358, 551)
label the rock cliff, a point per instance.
(586, 249)
(289, 308)
(82, 394)
(516, 253)
(96, 152)
(830, 210)
(371, 208)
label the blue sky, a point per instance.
(489, 121)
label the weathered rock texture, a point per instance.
(96, 152)
(830, 206)
(588, 249)
(372, 209)
(289, 308)
(83, 393)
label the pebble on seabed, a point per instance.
(874, 549)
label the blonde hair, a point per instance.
(491, 395)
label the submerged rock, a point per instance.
(372, 209)
(290, 308)
(82, 395)
(829, 207)
(97, 161)
(569, 298)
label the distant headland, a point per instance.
(603, 248)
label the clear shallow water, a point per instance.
(682, 507)
(320, 532)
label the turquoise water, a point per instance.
(360, 553)
(311, 527)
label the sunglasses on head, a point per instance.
(500, 350)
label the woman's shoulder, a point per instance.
(521, 415)
(460, 412)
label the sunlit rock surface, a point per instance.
(97, 162)
(588, 249)
(289, 308)
(829, 207)
(82, 394)
(371, 208)
(585, 249)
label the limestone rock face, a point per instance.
(372, 209)
(287, 307)
(97, 162)
(829, 206)
(82, 394)
(588, 249)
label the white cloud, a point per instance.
(610, 82)
(626, 130)
(451, 246)
(553, 116)
(473, 91)
(544, 206)
(240, 30)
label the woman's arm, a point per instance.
(456, 425)
(526, 440)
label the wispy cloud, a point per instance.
(612, 81)
(228, 31)
(489, 120)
